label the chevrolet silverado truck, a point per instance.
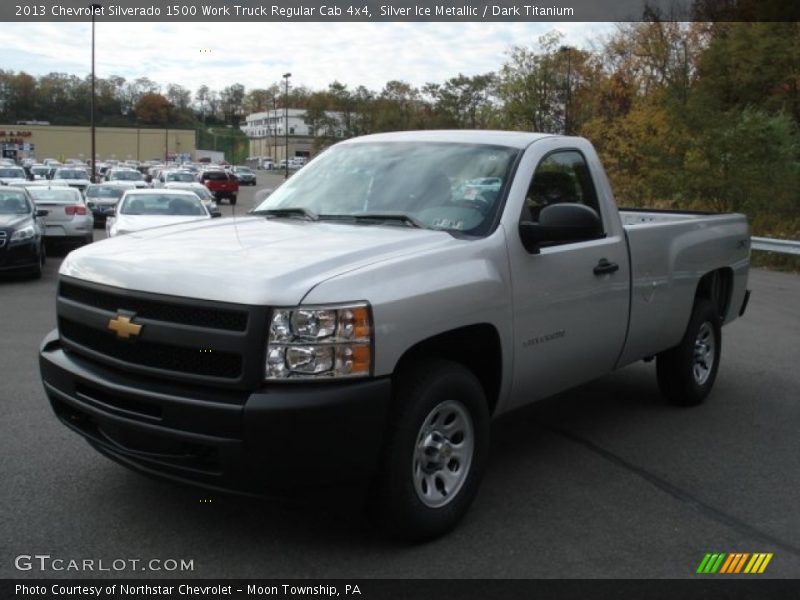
(367, 320)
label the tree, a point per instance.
(153, 109)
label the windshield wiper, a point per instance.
(377, 218)
(287, 212)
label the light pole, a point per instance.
(567, 101)
(286, 119)
(166, 136)
(274, 125)
(95, 9)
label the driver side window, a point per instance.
(560, 177)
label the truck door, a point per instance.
(571, 299)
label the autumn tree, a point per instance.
(153, 109)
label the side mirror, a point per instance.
(215, 215)
(40, 212)
(559, 223)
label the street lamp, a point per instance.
(568, 99)
(286, 119)
(274, 125)
(95, 9)
(166, 135)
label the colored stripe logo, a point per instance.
(734, 563)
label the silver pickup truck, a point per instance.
(370, 317)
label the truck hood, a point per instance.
(250, 260)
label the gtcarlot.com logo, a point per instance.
(734, 563)
(46, 562)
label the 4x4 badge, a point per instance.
(123, 327)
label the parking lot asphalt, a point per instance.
(606, 480)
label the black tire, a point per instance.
(233, 200)
(36, 272)
(420, 390)
(684, 377)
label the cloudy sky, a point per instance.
(257, 54)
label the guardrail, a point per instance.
(773, 245)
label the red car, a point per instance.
(221, 183)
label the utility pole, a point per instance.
(286, 119)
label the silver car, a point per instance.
(68, 221)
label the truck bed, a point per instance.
(670, 251)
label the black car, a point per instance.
(21, 232)
(244, 175)
(102, 198)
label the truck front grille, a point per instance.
(230, 320)
(184, 340)
(150, 354)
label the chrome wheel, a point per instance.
(443, 453)
(704, 350)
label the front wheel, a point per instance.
(435, 453)
(686, 373)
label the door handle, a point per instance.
(605, 268)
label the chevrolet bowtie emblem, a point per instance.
(123, 327)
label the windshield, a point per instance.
(45, 195)
(15, 172)
(105, 191)
(446, 186)
(125, 175)
(180, 176)
(71, 174)
(162, 204)
(13, 203)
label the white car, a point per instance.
(198, 188)
(76, 177)
(143, 209)
(12, 175)
(173, 175)
(120, 175)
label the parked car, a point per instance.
(102, 198)
(127, 175)
(39, 172)
(245, 175)
(68, 222)
(12, 175)
(173, 175)
(21, 232)
(369, 320)
(221, 183)
(144, 209)
(72, 177)
(202, 192)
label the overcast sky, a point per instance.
(257, 54)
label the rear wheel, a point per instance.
(686, 373)
(435, 453)
(233, 200)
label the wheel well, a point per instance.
(476, 347)
(717, 286)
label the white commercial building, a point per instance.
(267, 132)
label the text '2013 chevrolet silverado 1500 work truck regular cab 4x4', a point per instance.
(369, 318)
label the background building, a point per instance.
(266, 132)
(62, 142)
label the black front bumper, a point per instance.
(279, 438)
(25, 255)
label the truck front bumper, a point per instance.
(279, 438)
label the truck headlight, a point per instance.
(23, 233)
(325, 341)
